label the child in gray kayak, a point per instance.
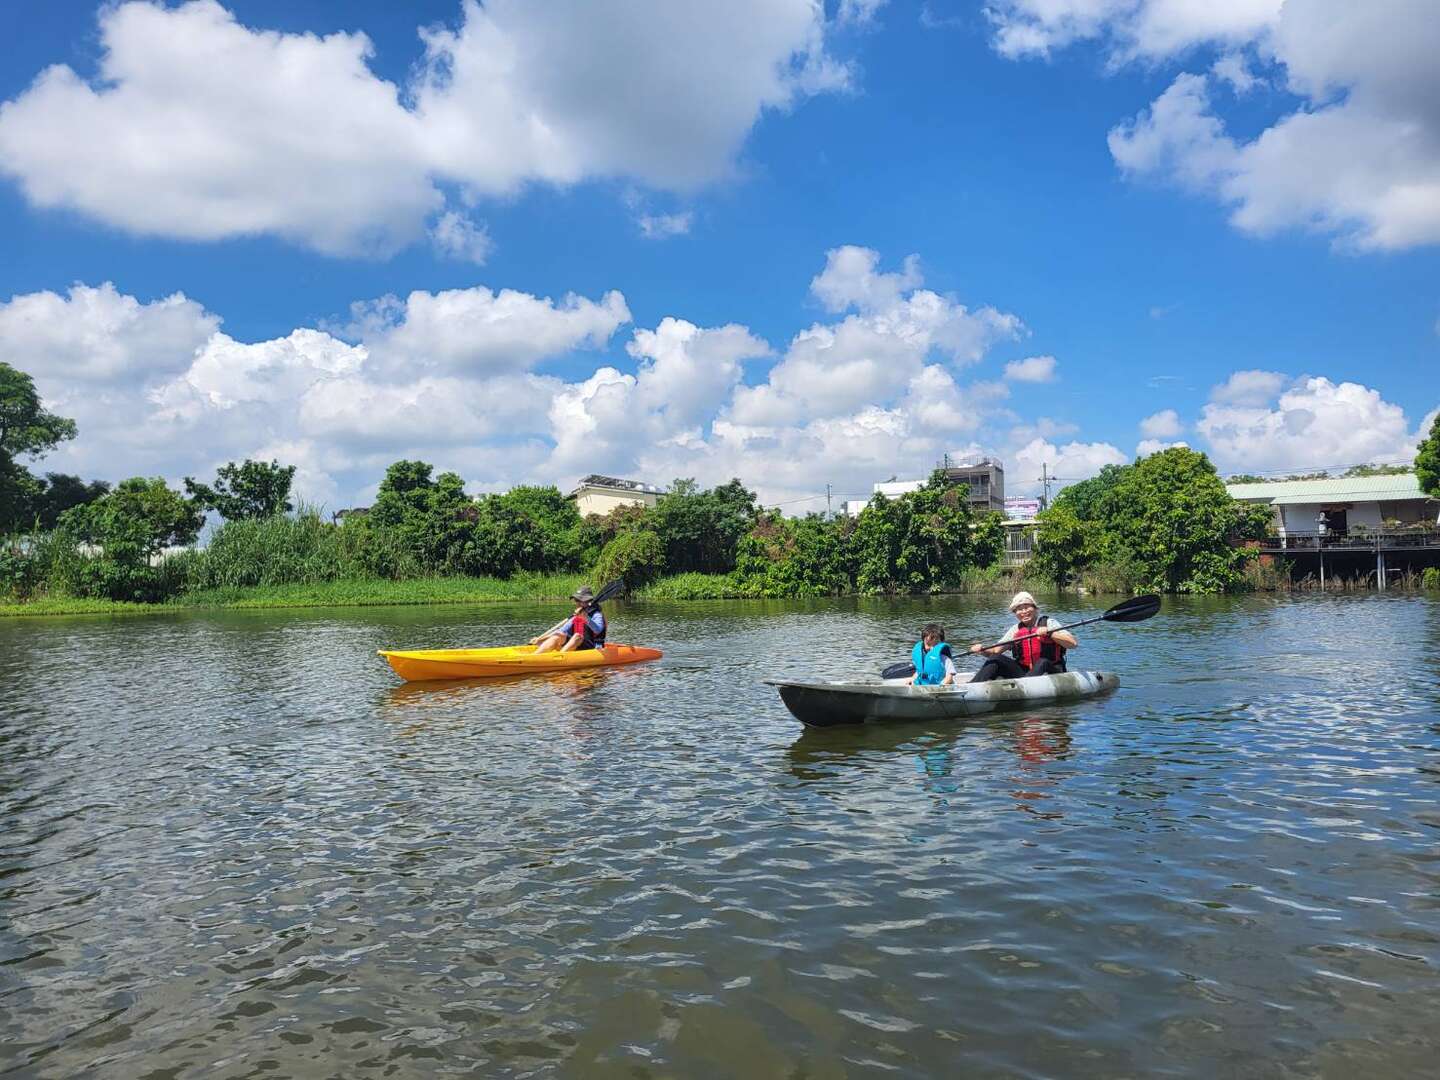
(934, 663)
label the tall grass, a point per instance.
(694, 587)
(1104, 578)
(372, 592)
(303, 549)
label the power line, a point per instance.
(1303, 469)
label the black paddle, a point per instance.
(1136, 609)
(609, 592)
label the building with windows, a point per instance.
(601, 494)
(986, 480)
(1339, 507)
(1349, 526)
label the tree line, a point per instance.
(1163, 523)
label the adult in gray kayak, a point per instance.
(1028, 648)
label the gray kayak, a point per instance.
(827, 704)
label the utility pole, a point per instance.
(1045, 479)
(828, 514)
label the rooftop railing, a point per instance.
(1354, 540)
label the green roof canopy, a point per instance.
(1393, 488)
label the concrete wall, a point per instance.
(1298, 519)
(603, 500)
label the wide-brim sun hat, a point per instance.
(1022, 598)
(583, 595)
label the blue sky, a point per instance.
(1128, 223)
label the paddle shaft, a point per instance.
(1049, 629)
(1137, 610)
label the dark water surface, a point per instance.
(233, 845)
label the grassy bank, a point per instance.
(445, 590)
(67, 606)
(353, 593)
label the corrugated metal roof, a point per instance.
(1351, 489)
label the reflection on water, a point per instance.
(234, 845)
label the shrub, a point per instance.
(635, 556)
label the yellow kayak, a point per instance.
(421, 664)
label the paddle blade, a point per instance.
(1136, 609)
(609, 592)
(899, 671)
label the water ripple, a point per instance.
(232, 845)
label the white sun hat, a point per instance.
(1022, 598)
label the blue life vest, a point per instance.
(929, 667)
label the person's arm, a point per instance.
(1063, 638)
(998, 649)
(558, 628)
(950, 671)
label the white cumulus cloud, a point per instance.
(1063, 464)
(200, 127)
(1033, 369)
(457, 237)
(477, 330)
(1164, 424)
(1150, 29)
(1359, 160)
(98, 334)
(1311, 423)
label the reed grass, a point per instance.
(373, 592)
(64, 605)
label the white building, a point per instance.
(1341, 507)
(891, 489)
(602, 494)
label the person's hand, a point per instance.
(975, 648)
(1042, 631)
(534, 641)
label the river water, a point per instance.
(233, 845)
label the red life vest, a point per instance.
(1027, 647)
(591, 637)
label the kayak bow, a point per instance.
(418, 665)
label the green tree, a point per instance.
(936, 536)
(701, 530)
(26, 430)
(59, 492)
(252, 489)
(1085, 499)
(874, 549)
(785, 557)
(1427, 461)
(1376, 470)
(534, 528)
(636, 555)
(1065, 544)
(125, 530)
(1169, 517)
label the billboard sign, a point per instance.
(1021, 509)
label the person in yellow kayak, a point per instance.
(1032, 648)
(585, 629)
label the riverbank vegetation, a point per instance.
(1164, 523)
